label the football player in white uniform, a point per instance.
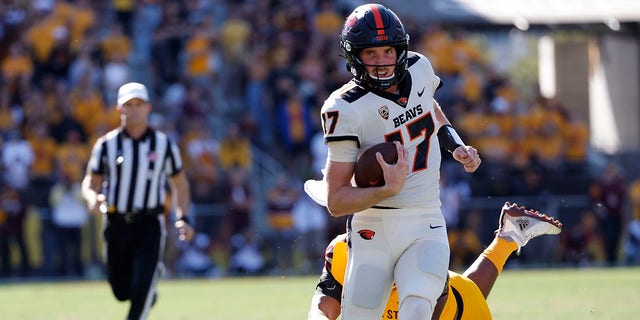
(396, 231)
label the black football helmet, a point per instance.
(373, 25)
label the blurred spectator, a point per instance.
(148, 16)
(115, 48)
(10, 115)
(310, 224)
(202, 58)
(234, 59)
(311, 72)
(547, 117)
(194, 260)
(12, 24)
(234, 34)
(86, 102)
(294, 124)
(115, 45)
(532, 182)
(82, 19)
(247, 258)
(17, 68)
(634, 197)
(239, 200)
(291, 20)
(41, 103)
(194, 107)
(453, 194)
(258, 100)
(71, 157)
(17, 159)
(69, 214)
(125, 10)
(328, 21)
(523, 144)
(116, 72)
(202, 168)
(464, 53)
(168, 42)
(583, 245)
(436, 46)
(281, 199)
(494, 143)
(44, 153)
(235, 149)
(85, 66)
(608, 194)
(13, 210)
(40, 39)
(464, 239)
(576, 135)
(43, 176)
(470, 85)
(632, 244)
(61, 55)
(67, 123)
(550, 146)
(473, 123)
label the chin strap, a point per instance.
(449, 138)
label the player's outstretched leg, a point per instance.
(522, 224)
(516, 226)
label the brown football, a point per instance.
(368, 172)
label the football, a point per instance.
(368, 172)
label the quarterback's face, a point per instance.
(380, 62)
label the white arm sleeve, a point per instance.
(343, 151)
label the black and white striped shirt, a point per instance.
(135, 170)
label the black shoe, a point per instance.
(155, 298)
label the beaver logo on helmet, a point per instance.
(366, 234)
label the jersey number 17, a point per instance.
(422, 128)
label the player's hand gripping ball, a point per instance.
(368, 172)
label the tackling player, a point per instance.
(465, 295)
(395, 226)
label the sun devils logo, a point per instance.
(366, 234)
(384, 112)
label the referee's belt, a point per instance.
(135, 216)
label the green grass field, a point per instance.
(540, 294)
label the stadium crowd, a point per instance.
(228, 79)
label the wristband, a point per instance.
(185, 220)
(449, 138)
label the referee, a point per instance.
(125, 181)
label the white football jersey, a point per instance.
(370, 117)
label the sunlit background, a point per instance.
(546, 90)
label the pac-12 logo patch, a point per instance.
(366, 234)
(384, 112)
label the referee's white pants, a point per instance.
(405, 246)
